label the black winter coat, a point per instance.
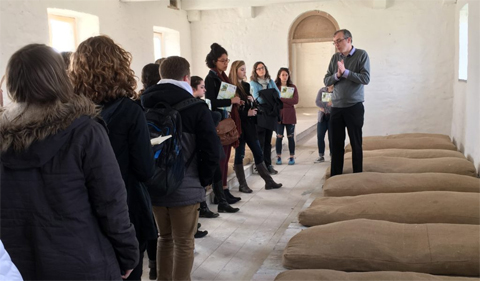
(212, 85)
(249, 129)
(130, 139)
(199, 137)
(63, 202)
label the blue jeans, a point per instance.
(322, 128)
(290, 136)
(254, 147)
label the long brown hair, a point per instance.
(36, 75)
(254, 76)
(233, 76)
(278, 81)
(100, 70)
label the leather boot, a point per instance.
(152, 274)
(240, 172)
(226, 208)
(230, 195)
(205, 211)
(269, 182)
(220, 196)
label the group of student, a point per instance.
(76, 151)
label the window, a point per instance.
(63, 35)
(166, 42)
(463, 44)
(173, 4)
(158, 45)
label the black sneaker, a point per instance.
(200, 234)
(320, 160)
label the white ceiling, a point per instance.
(190, 5)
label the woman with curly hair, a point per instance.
(100, 70)
(63, 203)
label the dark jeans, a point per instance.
(351, 118)
(322, 128)
(290, 136)
(138, 270)
(265, 139)
(254, 147)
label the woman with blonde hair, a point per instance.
(63, 203)
(249, 134)
(100, 70)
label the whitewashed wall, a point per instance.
(466, 102)
(129, 24)
(410, 44)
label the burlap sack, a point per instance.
(409, 153)
(411, 135)
(450, 165)
(413, 207)
(372, 245)
(368, 183)
(330, 275)
(375, 143)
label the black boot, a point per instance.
(220, 197)
(152, 274)
(240, 172)
(269, 182)
(226, 208)
(271, 170)
(230, 195)
(205, 211)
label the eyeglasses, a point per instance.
(224, 61)
(261, 68)
(338, 41)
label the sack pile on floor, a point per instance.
(413, 214)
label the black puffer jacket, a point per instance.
(199, 136)
(63, 201)
(130, 139)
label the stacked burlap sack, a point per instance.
(408, 217)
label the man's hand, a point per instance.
(127, 273)
(341, 68)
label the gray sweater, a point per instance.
(348, 89)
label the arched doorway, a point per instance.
(310, 50)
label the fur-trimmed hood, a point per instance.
(33, 132)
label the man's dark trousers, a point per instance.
(352, 118)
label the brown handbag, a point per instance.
(227, 131)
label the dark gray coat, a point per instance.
(200, 139)
(63, 201)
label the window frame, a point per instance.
(161, 36)
(70, 20)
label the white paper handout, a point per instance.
(227, 91)
(326, 97)
(159, 140)
(287, 92)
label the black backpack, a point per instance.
(165, 120)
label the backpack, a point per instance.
(165, 121)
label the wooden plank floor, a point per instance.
(247, 245)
